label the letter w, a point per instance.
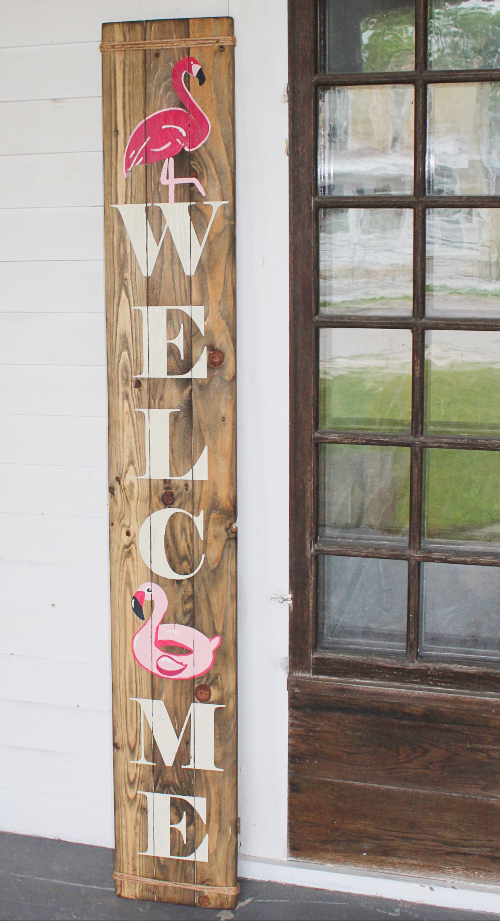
(202, 739)
(178, 221)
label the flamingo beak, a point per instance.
(137, 604)
(201, 77)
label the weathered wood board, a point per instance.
(171, 323)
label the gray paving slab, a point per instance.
(46, 880)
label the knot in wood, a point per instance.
(215, 358)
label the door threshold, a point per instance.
(426, 891)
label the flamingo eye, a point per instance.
(149, 589)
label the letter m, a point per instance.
(202, 737)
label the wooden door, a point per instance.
(168, 89)
(395, 437)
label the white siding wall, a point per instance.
(55, 677)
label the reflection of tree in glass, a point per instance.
(464, 34)
(388, 41)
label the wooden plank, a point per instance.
(203, 417)
(396, 830)
(54, 728)
(53, 816)
(51, 126)
(74, 589)
(57, 180)
(47, 681)
(43, 234)
(47, 391)
(55, 286)
(55, 772)
(50, 72)
(52, 491)
(56, 636)
(53, 539)
(55, 23)
(422, 741)
(59, 440)
(48, 339)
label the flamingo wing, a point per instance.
(162, 134)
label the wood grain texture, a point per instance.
(385, 828)
(206, 417)
(394, 778)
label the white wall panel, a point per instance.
(51, 126)
(50, 71)
(58, 635)
(47, 681)
(37, 22)
(53, 391)
(51, 262)
(52, 816)
(51, 728)
(46, 539)
(69, 588)
(43, 234)
(53, 180)
(53, 286)
(61, 440)
(52, 339)
(54, 772)
(38, 490)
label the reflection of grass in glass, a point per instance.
(462, 488)
(378, 479)
(492, 289)
(462, 495)
(463, 401)
(381, 304)
(366, 401)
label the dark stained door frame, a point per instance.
(394, 765)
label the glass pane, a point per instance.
(364, 492)
(464, 35)
(365, 141)
(463, 155)
(462, 378)
(462, 498)
(366, 261)
(362, 604)
(463, 262)
(365, 379)
(364, 36)
(461, 610)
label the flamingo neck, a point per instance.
(183, 93)
(160, 607)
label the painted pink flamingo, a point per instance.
(162, 135)
(194, 652)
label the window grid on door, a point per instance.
(307, 203)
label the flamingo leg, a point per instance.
(168, 178)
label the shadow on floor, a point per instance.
(46, 880)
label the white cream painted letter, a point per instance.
(160, 824)
(202, 740)
(152, 542)
(157, 448)
(155, 342)
(178, 221)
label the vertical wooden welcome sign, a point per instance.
(168, 90)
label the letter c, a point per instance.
(152, 542)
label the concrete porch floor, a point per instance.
(46, 880)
